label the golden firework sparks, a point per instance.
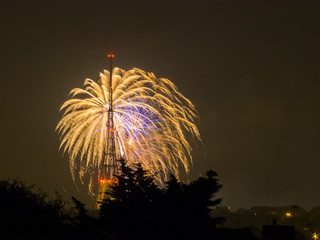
(152, 120)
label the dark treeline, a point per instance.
(134, 208)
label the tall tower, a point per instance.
(109, 166)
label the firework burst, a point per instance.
(152, 120)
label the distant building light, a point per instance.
(288, 214)
(315, 236)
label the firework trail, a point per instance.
(151, 119)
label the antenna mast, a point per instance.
(109, 167)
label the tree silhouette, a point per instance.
(83, 226)
(136, 208)
(80, 208)
(26, 214)
(186, 207)
(130, 202)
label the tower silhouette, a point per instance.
(108, 167)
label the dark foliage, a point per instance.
(25, 214)
(134, 208)
(29, 214)
(83, 226)
(137, 208)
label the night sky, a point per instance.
(251, 69)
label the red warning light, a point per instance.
(110, 55)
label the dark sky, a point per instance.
(252, 70)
